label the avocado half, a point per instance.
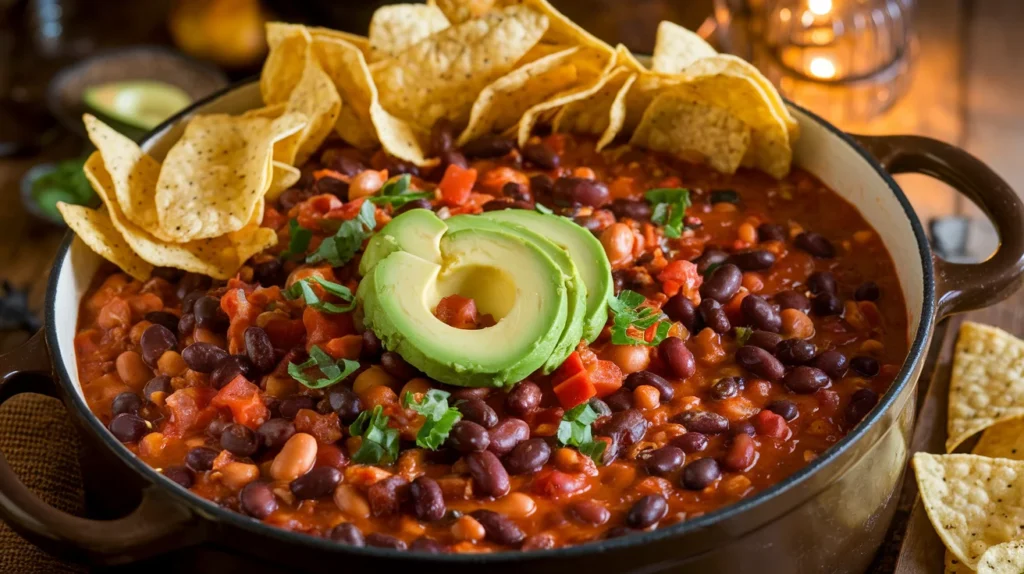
(143, 104)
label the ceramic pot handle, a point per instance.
(962, 287)
(157, 525)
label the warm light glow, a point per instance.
(822, 67)
(819, 7)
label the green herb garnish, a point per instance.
(346, 241)
(743, 334)
(65, 182)
(380, 442)
(302, 288)
(333, 372)
(299, 240)
(628, 311)
(396, 192)
(543, 208)
(440, 417)
(669, 205)
(574, 430)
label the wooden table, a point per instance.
(967, 89)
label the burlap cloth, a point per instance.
(41, 445)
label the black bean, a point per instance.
(347, 533)
(345, 402)
(665, 389)
(371, 348)
(128, 427)
(259, 349)
(626, 428)
(795, 351)
(507, 434)
(257, 500)
(331, 186)
(867, 291)
(713, 315)
(760, 314)
(726, 388)
(498, 528)
(169, 274)
(203, 357)
(200, 458)
(427, 546)
(379, 540)
(168, 320)
(294, 196)
(866, 366)
(268, 272)
(760, 362)
(396, 166)
(710, 258)
(700, 473)
(647, 511)
(600, 407)
(528, 456)
(680, 308)
(793, 300)
(677, 357)
(753, 260)
(489, 477)
(704, 422)
(620, 400)
(427, 499)
(590, 512)
(722, 283)
(230, 367)
(477, 411)
(821, 282)
(860, 405)
(414, 204)
(815, 244)
(126, 402)
(452, 157)
(691, 442)
(181, 475)
(765, 340)
(498, 204)
(785, 409)
(771, 232)
(396, 366)
(155, 341)
(571, 190)
(193, 282)
(239, 440)
(316, 483)
(833, 363)
(275, 432)
(827, 304)
(805, 380)
(208, 314)
(348, 161)
(523, 399)
(216, 427)
(540, 155)
(489, 146)
(635, 209)
(442, 134)
(516, 191)
(664, 460)
(291, 406)
(187, 324)
(467, 436)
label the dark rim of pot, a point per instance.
(209, 509)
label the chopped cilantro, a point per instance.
(298, 242)
(628, 311)
(342, 246)
(743, 335)
(396, 192)
(380, 442)
(440, 417)
(302, 288)
(669, 205)
(543, 208)
(574, 430)
(333, 372)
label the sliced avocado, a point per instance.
(576, 289)
(506, 275)
(417, 231)
(143, 104)
(585, 251)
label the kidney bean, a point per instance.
(742, 427)
(635, 209)
(294, 196)
(331, 186)
(722, 284)
(771, 232)
(866, 366)
(861, 403)
(805, 380)
(665, 389)
(442, 136)
(528, 456)
(180, 475)
(187, 324)
(259, 349)
(867, 291)
(691, 442)
(489, 477)
(507, 434)
(479, 412)
(344, 402)
(230, 367)
(785, 409)
(379, 540)
(452, 157)
(209, 314)
(710, 258)
(239, 440)
(741, 453)
(347, 533)
(498, 204)
(414, 204)
(468, 394)
(203, 357)
(126, 402)
(620, 400)
(833, 363)
(396, 366)
(427, 546)
(704, 422)
(158, 384)
(600, 407)
(815, 244)
(795, 351)
(128, 427)
(167, 320)
(590, 512)
(516, 191)
(647, 511)
(193, 282)
(664, 460)
(396, 166)
(540, 155)
(760, 314)
(680, 308)
(318, 482)
(753, 260)
(268, 273)
(467, 436)
(541, 185)
(291, 406)
(713, 315)
(570, 190)
(387, 495)
(523, 399)
(821, 282)
(257, 500)
(627, 427)
(371, 348)
(678, 358)
(498, 528)
(792, 300)
(488, 146)
(765, 340)
(427, 499)
(700, 473)
(155, 340)
(726, 388)
(760, 362)
(200, 458)
(274, 433)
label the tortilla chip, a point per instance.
(686, 127)
(973, 502)
(218, 257)
(283, 177)
(675, 48)
(602, 114)
(280, 75)
(1005, 558)
(1002, 440)
(441, 76)
(134, 172)
(987, 383)
(315, 98)
(94, 228)
(360, 42)
(500, 105)
(623, 57)
(214, 176)
(394, 28)
(459, 11)
(955, 566)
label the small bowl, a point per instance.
(29, 201)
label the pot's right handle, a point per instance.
(157, 525)
(962, 287)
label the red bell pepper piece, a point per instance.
(244, 401)
(457, 184)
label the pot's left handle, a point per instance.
(157, 525)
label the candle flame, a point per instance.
(821, 67)
(819, 7)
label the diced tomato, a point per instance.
(771, 425)
(316, 208)
(244, 401)
(573, 365)
(670, 181)
(457, 311)
(322, 173)
(494, 179)
(606, 377)
(241, 314)
(623, 187)
(555, 483)
(556, 143)
(273, 218)
(325, 428)
(349, 210)
(345, 347)
(188, 410)
(332, 456)
(734, 308)
(736, 408)
(285, 333)
(457, 184)
(575, 390)
(681, 276)
(322, 327)
(323, 272)
(828, 401)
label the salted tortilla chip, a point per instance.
(360, 42)
(459, 11)
(561, 29)
(624, 57)
(954, 565)
(441, 76)
(214, 176)
(316, 98)
(1005, 558)
(396, 27)
(218, 257)
(689, 128)
(500, 105)
(987, 383)
(288, 44)
(1002, 440)
(94, 228)
(974, 502)
(675, 48)
(601, 114)
(282, 177)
